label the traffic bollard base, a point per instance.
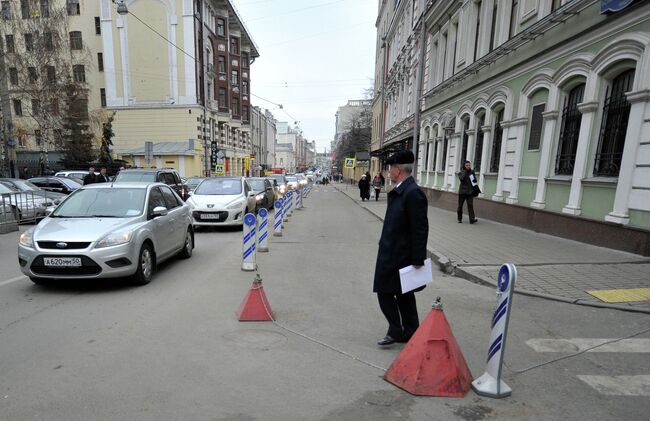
(277, 234)
(263, 249)
(248, 267)
(488, 386)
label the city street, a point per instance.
(173, 349)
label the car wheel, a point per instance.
(188, 245)
(146, 263)
(39, 281)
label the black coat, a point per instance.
(90, 179)
(465, 182)
(364, 187)
(403, 239)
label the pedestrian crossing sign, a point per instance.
(349, 162)
(219, 170)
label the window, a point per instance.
(555, 4)
(221, 27)
(435, 151)
(51, 74)
(445, 145)
(478, 27)
(29, 42)
(76, 42)
(36, 107)
(478, 147)
(100, 62)
(463, 151)
(24, 9)
(102, 96)
(221, 61)
(235, 106)
(536, 123)
(616, 113)
(13, 76)
(244, 60)
(79, 73)
(58, 137)
(234, 78)
(493, 29)
(33, 75)
(222, 98)
(6, 10)
(73, 7)
(234, 46)
(54, 107)
(9, 41)
(48, 41)
(155, 199)
(244, 87)
(513, 19)
(98, 26)
(45, 8)
(18, 107)
(496, 145)
(570, 131)
(244, 112)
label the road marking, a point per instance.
(619, 385)
(8, 281)
(639, 345)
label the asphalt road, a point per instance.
(174, 349)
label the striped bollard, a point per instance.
(263, 230)
(299, 200)
(285, 207)
(277, 219)
(290, 198)
(248, 250)
(490, 383)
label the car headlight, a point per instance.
(260, 196)
(27, 238)
(115, 239)
(283, 189)
(236, 205)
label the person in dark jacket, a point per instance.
(466, 192)
(364, 188)
(403, 242)
(90, 178)
(103, 176)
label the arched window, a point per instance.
(478, 147)
(570, 131)
(616, 113)
(463, 150)
(445, 144)
(435, 149)
(496, 144)
(427, 137)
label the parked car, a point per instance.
(28, 187)
(302, 179)
(168, 176)
(74, 174)
(108, 231)
(281, 185)
(222, 201)
(292, 182)
(264, 193)
(310, 176)
(26, 207)
(56, 184)
(192, 182)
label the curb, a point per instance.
(448, 267)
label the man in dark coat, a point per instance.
(467, 179)
(90, 178)
(403, 242)
(103, 176)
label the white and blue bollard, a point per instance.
(249, 254)
(263, 230)
(490, 383)
(290, 197)
(277, 219)
(298, 200)
(285, 207)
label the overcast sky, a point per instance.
(315, 55)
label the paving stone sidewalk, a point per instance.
(547, 266)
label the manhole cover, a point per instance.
(256, 339)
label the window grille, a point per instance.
(496, 144)
(478, 147)
(570, 131)
(536, 123)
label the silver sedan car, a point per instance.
(108, 230)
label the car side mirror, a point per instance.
(251, 194)
(159, 211)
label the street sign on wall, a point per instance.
(349, 162)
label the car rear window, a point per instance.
(136, 176)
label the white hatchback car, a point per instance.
(221, 201)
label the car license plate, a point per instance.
(62, 261)
(209, 216)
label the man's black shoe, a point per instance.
(404, 338)
(386, 340)
(473, 221)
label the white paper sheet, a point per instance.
(412, 278)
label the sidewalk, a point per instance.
(547, 266)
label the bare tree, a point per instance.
(357, 136)
(46, 66)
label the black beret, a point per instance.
(401, 157)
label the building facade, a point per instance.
(263, 133)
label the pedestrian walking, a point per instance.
(466, 192)
(376, 184)
(103, 176)
(403, 242)
(26, 175)
(90, 178)
(364, 188)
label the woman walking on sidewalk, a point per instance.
(364, 188)
(467, 191)
(376, 184)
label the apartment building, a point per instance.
(291, 135)
(263, 134)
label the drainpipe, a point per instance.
(418, 94)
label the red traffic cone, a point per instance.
(431, 363)
(255, 307)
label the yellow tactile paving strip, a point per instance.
(622, 295)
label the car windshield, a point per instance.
(290, 179)
(257, 185)
(279, 179)
(136, 176)
(193, 181)
(105, 202)
(24, 185)
(219, 186)
(7, 188)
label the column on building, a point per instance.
(485, 153)
(498, 194)
(515, 141)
